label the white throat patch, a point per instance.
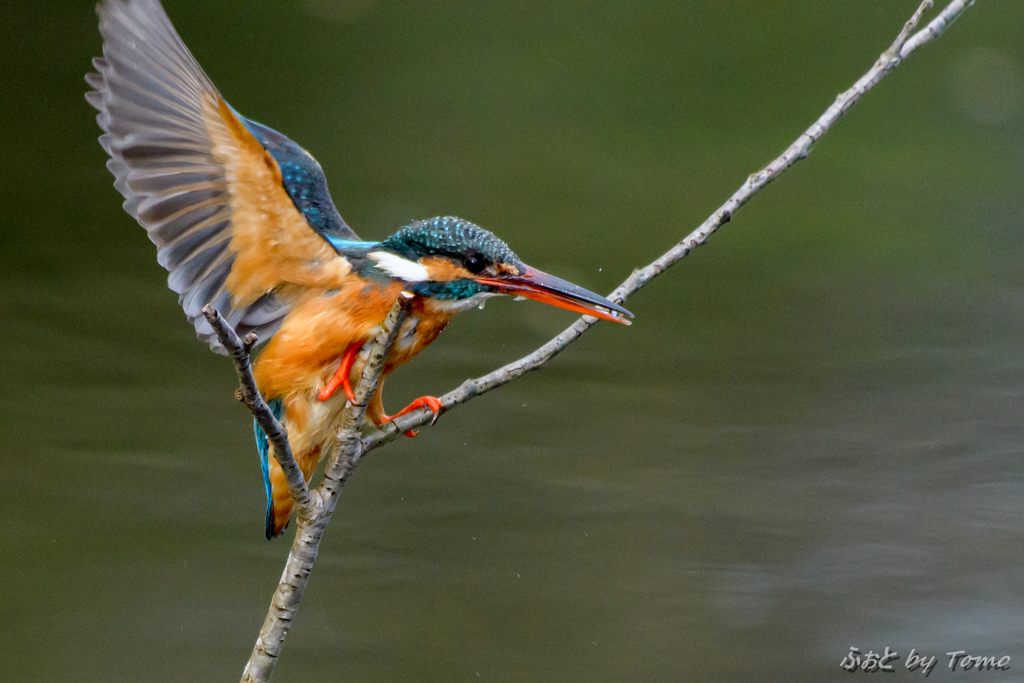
(396, 266)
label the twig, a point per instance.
(888, 61)
(909, 27)
(936, 26)
(253, 400)
(347, 450)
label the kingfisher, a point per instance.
(242, 219)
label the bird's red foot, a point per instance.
(340, 378)
(432, 402)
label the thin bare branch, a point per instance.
(345, 454)
(888, 61)
(253, 400)
(349, 447)
(909, 27)
(936, 27)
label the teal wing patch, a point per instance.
(304, 181)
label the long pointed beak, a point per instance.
(548, 289)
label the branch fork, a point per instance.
(314, 507)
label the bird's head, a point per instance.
(459, 264)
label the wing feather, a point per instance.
(207, 184)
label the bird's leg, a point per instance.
(432, 402)
(340, 378)
(375, 410)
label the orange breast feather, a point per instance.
(303, 353)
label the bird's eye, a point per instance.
(475, 265)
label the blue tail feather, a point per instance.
(263, 446)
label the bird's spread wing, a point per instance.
(240, 214)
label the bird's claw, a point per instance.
(432, 402)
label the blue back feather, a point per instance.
(304, 181)
(263, 446)
(343, 247)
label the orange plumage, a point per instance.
(243, 221)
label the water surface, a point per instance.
(811, 437)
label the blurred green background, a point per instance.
(811, 437)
